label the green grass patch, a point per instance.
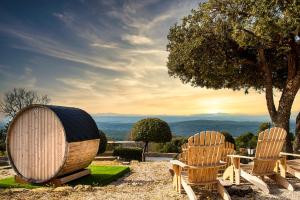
(100, 176)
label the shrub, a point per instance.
(245, 140)
(103, 142)
(129, 153)
(174, 146)
(169, 147)
(228, 137)
(3, 133)
(263, 126)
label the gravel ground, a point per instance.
(149, 180)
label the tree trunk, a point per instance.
(281, 116)
(297, 135)
(284, 122)
(144, 151)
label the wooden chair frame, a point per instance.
(201, 169)
(267, 154)
(285, 166)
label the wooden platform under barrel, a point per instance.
(45, 142)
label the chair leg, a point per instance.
(255, 181)
(282, 166)
(188, 189)
(222, 191)
(237, 169)
(175, 177)
(281, 181)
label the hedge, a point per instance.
(129, 153)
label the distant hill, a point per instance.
(118, 126)
(118, 118)
(120, 131)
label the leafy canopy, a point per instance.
(151, 130)
(217, 45)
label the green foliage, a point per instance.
(129, 153)
(228, 137)
(292, 136)
(100, 175)
(174, 146)
(264, 126)
(3, 133)
(151, 130)
(246, 140)
(169, 147)
(103, 142)
(217, 45)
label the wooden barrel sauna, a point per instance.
(44, 142)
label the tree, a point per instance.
(20, 98)
(228, 137)
(103, 142)
(297, 135)
(151, 130)
(241, 45)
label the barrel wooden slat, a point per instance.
(38, 148)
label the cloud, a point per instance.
(37, 43)
(109, 46)
(24, 78)
(65, 17)
(137, 39)
(110, 56)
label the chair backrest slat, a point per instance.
(205, 148)
(268, 149)
(270, 143)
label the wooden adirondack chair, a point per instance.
(267, 154)
(184, 154)
(228, 150)
(204, 154)
(288, 166)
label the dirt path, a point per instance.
(150, 180)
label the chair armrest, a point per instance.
(239, 156)
(179, 163)
(289, 154)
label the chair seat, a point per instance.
(248, 168)
(185, 177)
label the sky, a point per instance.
(106, 56)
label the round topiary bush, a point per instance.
(103, 142)
(151, 130)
